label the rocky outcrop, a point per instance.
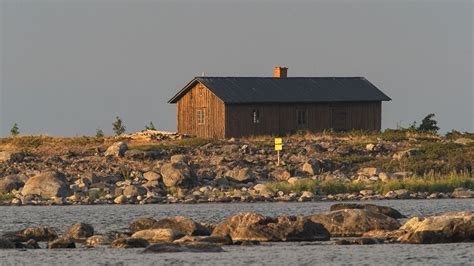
(391, 212)
(158, 235)
(445, 228)
(354, 222)
(255, 227)
(177, 174)
(47, 185)
(359, 241)
(129, 242)
(79, 232)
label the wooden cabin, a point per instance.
(224, 107)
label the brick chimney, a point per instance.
(280, 72)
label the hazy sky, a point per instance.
(68, 67)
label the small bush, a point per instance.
(99, 133)
(6, 197)
(118, 126)
(15, 130)
(97, 194)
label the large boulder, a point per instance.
(7, 156)
(445, 228)
(129, 242)
(182, 224)
(79, 232)
(47, 185)
(158, 235)
(134, 191)
(10, 183)
(354, 222)
(255, 227)
(391, 212)
(177, 174)
(117, 149)
(241, 174)
(38, 233)
(98, 240)
(311, 167)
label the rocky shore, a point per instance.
(150, 167)
(343, 224)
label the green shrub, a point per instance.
(336, 187)
(6, 197)
(395, 135)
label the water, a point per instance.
(115, 217)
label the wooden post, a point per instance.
(278, 148)
(278, 158)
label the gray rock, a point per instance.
(186, 247)
(79, 232)
(6, 244)
(10, 183)
(241, 174)
(463, 193)
(177, 174)
(61, 243)
(130, 242)
(47, 185)
(117, 149)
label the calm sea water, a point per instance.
(115, 217)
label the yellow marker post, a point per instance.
(278, 148)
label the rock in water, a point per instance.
(391, 212)
(445, 228)
(177, 174)
(182, 224)
(354, 222)
(98, 240)
(130, 242)
(142, 224)
(37, 233)
(158, 235)
(6, 244)
(79, 232)
(255, 227)
(47, 185)
(223, 240)
(117, 149)
(61, 243)
(189, 247)
(359, 241)
(463, 193)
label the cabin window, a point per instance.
(200, 116)
(255, 116)
(301, 117)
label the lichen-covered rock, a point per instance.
(177, 174)
(158, 235)
(224, 240)
(10, 183)
(445, 228)
(130, 242)
(391, 212)
(354, 222)
(79, 232)
(463, 193)
(239, 174)
(151, 176)
(47, 185)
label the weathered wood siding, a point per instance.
(282, 118)
(201, 98)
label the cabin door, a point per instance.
(201, 122)
(339, 117)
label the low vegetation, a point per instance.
(429, 183)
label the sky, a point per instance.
(68, 67)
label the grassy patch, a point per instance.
(298, 186)
(428, 184)
(6, 197)
(336, 187)
(182, 143)
(97, 194)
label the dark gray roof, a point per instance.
(234, 90)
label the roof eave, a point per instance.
(183, 91)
